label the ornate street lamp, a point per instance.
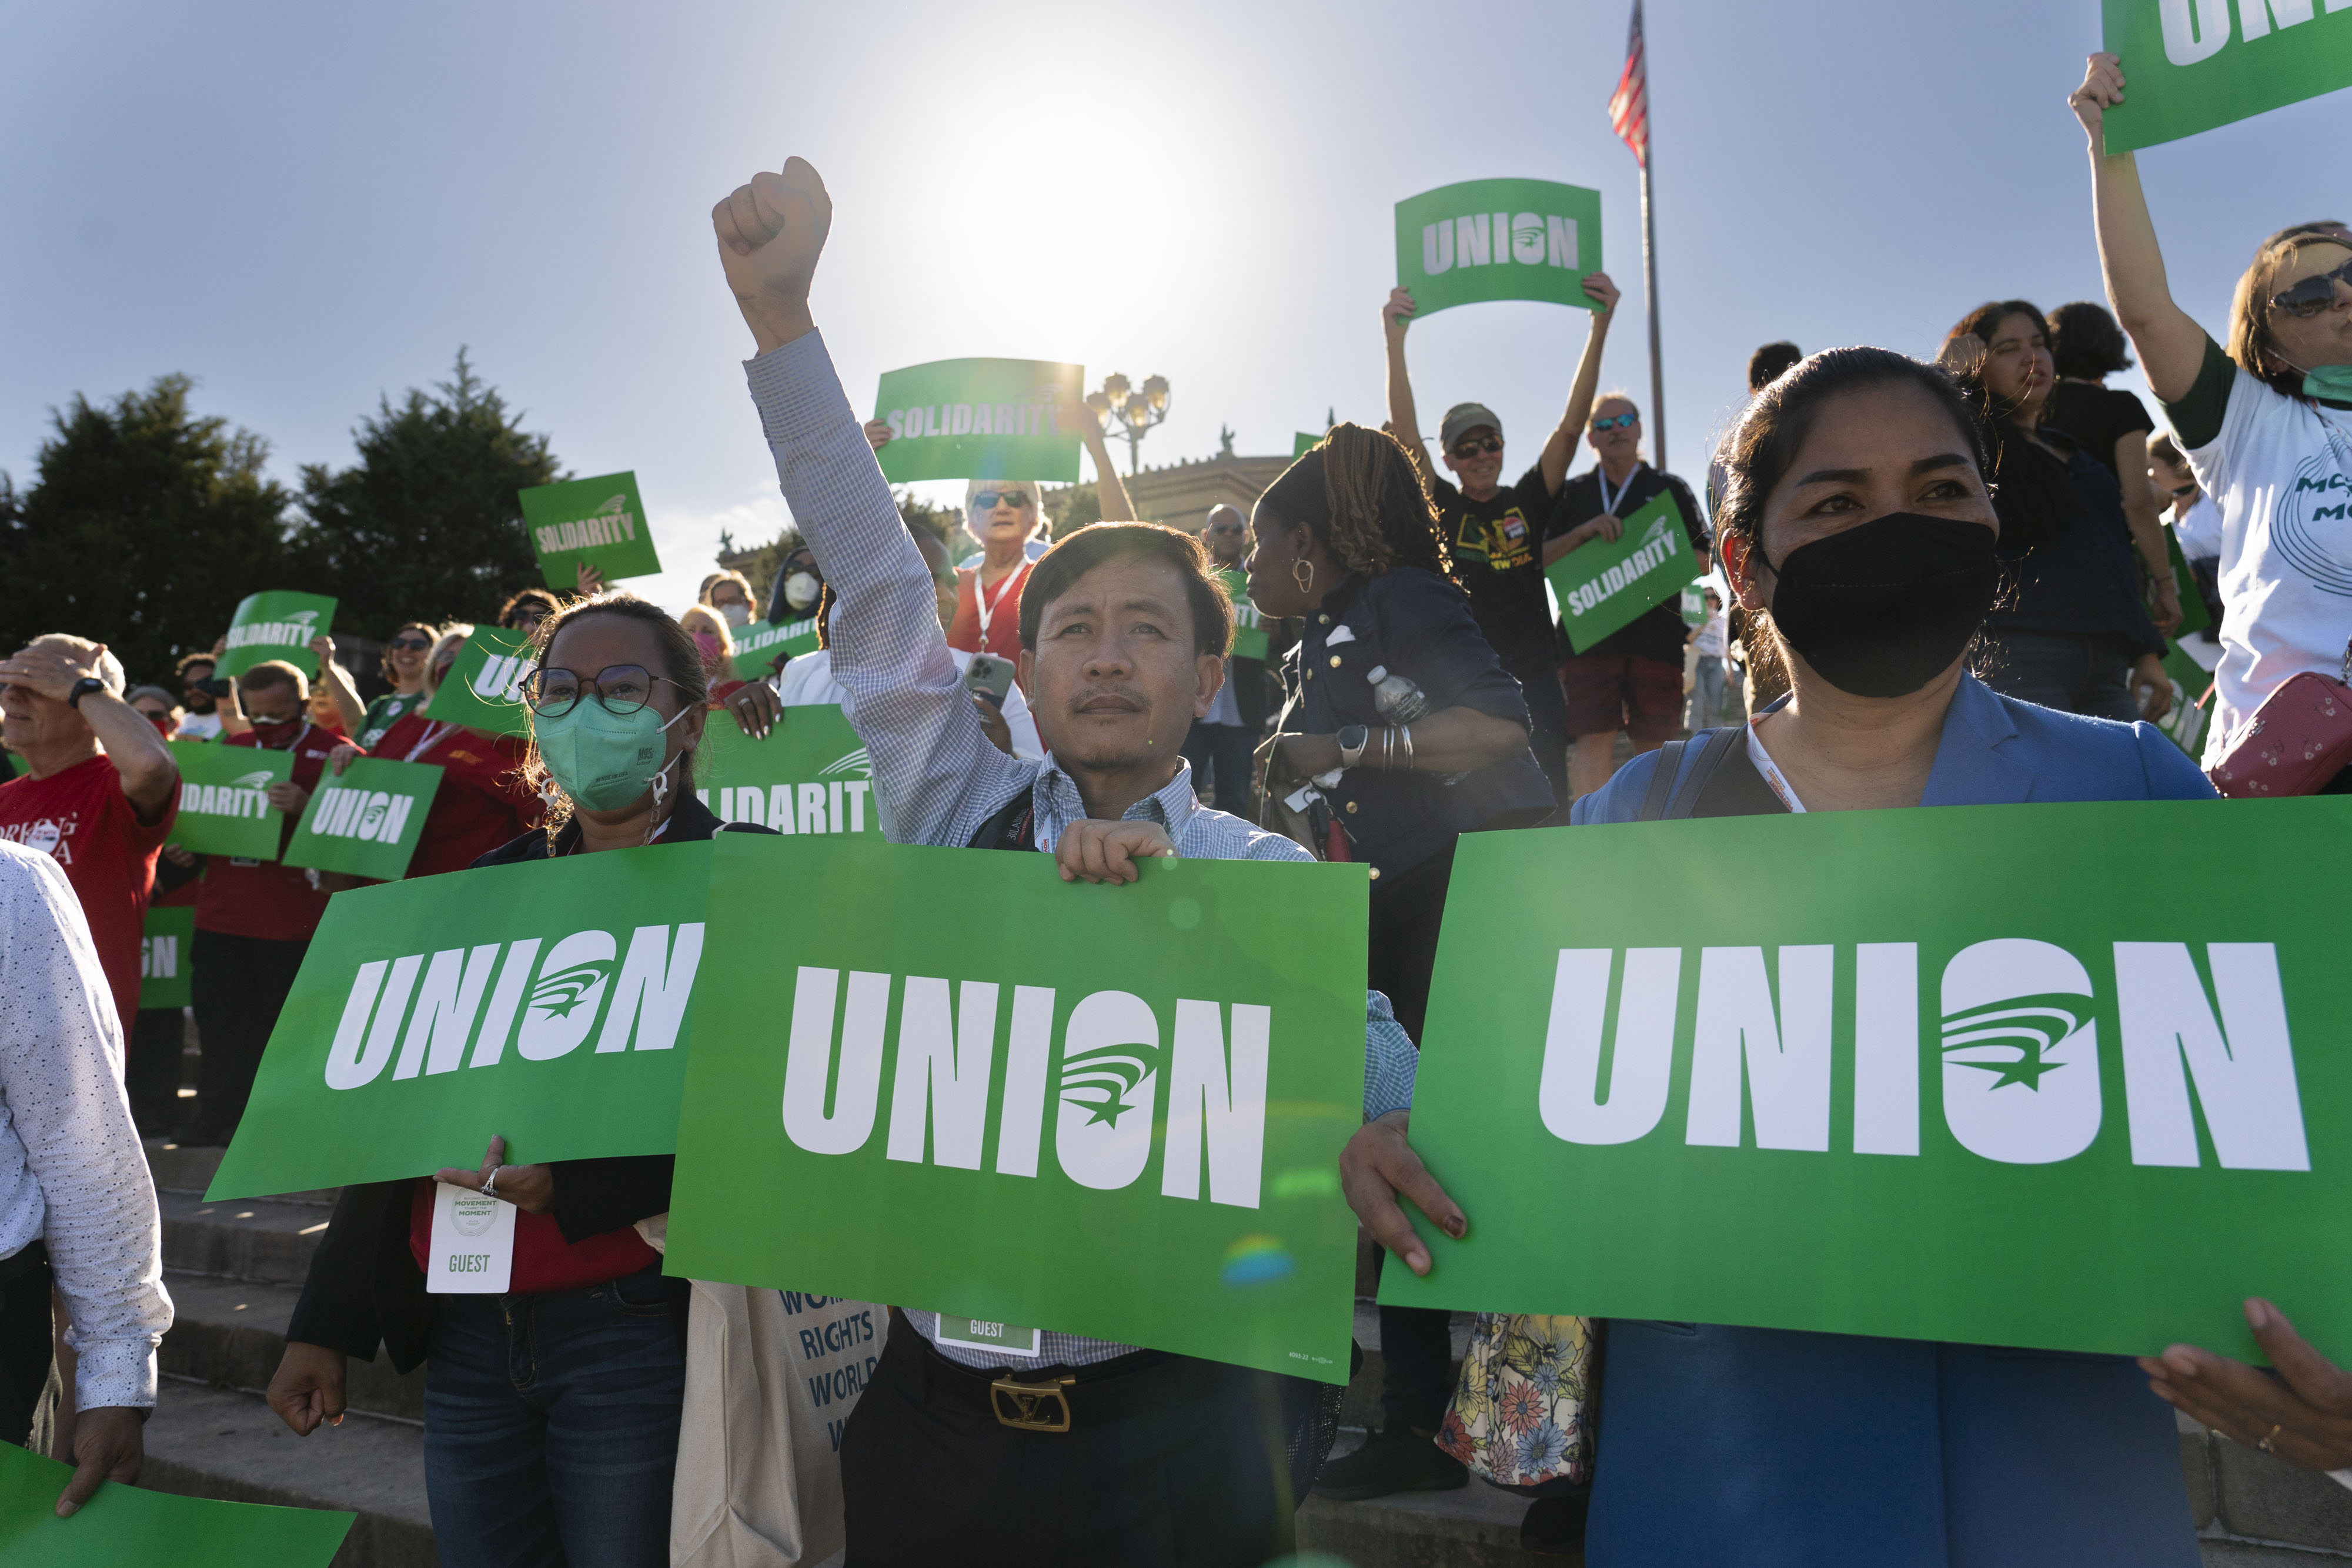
(1127, 412)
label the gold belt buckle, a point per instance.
(1025, 1406)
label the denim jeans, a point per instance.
(1704, 706)
(1223, 758)
(551, 1426)
(2089, 675)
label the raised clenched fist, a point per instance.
(771, 232)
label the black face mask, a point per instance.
(1881, 610)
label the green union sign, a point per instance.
(2081, 1098)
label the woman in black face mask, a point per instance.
(1858, 533)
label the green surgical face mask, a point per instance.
(603, 759)
(2333, 383)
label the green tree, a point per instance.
(144, 527)
(427, 527)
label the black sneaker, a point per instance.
(1403, 1462)
(1554, 1526)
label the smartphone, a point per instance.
(213, 686)
(989, 676)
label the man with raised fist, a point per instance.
(1161, 1459)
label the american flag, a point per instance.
(1629, 106)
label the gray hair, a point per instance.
(158, 692)
(110, 668)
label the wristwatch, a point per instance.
(1352, 739)
(82, 688)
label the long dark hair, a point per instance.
(1375, 513)
(2032, 491)
(681, 664)
(2085, 343)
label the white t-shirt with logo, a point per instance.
(198, 726)
(2281, 472)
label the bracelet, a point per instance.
(1408, 746)
(1388, 748)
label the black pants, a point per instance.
(153, 1072)
(1196, 1482)
(25, 1339)
(1223, 757)
(238, 986)
(1547, 734)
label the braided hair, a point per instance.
(1372, 513)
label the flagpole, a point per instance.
(1650, 288)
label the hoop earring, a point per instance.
(1302, 572)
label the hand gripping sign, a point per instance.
(366, 821)
(1606, 584)
(978, 419)
(1499, 239)
(2081, 1098)
(224, 806)
(2193, 65)
(276, 626)
(810, 774)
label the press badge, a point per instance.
(982, 1333)
(472, 1248)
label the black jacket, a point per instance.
(364, 1286)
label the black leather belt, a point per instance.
(1054, 1398)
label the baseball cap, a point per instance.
(1464, 417)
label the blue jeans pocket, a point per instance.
(647, 1293)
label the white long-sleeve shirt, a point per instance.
(72, 1171)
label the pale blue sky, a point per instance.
(303, 206)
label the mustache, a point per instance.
(1132, 695)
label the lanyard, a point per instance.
(433, 733)
(987, 606)
(1771, 769)
(1600, 477)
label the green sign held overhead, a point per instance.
(562, 987)
(759, 646)
(600, 522)
(367, 820)
(1133, 1078)
(810, 775)
(1988, 1116)
(276, 626)
(978, 419)
(224, 806)
(1301, 443)
(164, 951)
(1605, 584)
(483, 689)
(1499, 239)
(2192, 65)
(1249, 627)
(124, 1523)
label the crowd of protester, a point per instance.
(1928, 583)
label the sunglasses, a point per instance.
(1616, 422)
(413, 644)
(986, 500)
(1487, 443)
(2314, 294)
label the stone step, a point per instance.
(265, 1239)
(232, 1332)
(214, 1442)
(179, 1168)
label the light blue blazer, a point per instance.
(1761, 1448)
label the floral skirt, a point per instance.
(1520, 1417)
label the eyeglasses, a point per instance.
(1475, 444)
(986, 500)
(622, 689)
(1616, 422)
(2314, 294)
(412, 644)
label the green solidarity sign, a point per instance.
(543, 1001)
(810, 775)
(2082, 1098)
(163, 956)
(1249, 627)
(760, 645)
(124, 1523)
(599, 521)
(483, 689)
(224, 806)
(1499, 239)
(366, 821)
(978, 419)
(1129, 1080)
(2189, 68)
(276, 626)
(1606, 584)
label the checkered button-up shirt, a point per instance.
(935, 767)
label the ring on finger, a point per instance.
(2269, 1445)
(490, 1182)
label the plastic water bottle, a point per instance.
(1398, 698)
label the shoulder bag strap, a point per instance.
(1670, 761)
(1716, 751)
(1013, 827)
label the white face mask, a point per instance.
(735, 614)
(801, 590)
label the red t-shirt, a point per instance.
(1004, 606)
(262, 898)
(82, 818)
(543, 1260)
(482, 801)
